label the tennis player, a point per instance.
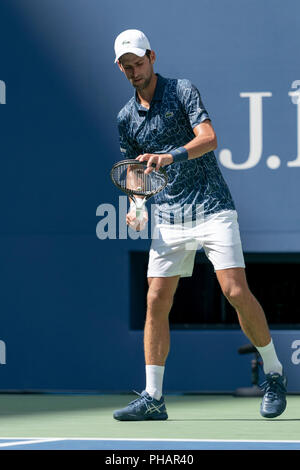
(166, 123)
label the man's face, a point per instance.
(138, 70)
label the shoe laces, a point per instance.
(142, 399)
(273, 388)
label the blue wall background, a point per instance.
(64, 292)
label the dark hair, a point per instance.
(148, 53)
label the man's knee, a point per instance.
(236, 294)
(159, 296)
(159, 300)
(234, 286)
(162, 289)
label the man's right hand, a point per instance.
(133, 222)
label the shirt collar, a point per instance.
(158, 93)
(159, 89)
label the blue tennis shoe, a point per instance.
(143, 408)
(274, 400)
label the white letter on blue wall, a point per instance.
(296, 100)
(296, 354)
(2, 92)
(106, 228)
(2, 352)
(255, 131)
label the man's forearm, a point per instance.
(205, 140)
(201, 145)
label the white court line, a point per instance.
(148, 439)
(33, 440)
(29, 441)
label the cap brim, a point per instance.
(131, 50)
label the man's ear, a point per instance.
(120, 66)
(152, 57)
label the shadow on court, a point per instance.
(23, 404)
(184, 408)
(12, 404)
(28, 403)
(190, 417)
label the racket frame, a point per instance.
(132, 193)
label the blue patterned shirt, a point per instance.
(195, 187)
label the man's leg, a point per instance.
(157, 332)
(150, 405)
(254, 324)
(250, 313)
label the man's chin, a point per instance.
(139, 85)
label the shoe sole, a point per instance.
(141, 418)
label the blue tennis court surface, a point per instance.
(142, 444)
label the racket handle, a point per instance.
(139, 213)
(139, 209)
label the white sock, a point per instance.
(270, 360)
(154, 381)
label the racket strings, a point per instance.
(133, 178)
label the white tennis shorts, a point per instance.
(173, 247)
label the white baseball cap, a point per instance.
(131, 40)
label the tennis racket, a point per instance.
(130, 177)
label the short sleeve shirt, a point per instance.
(195, 187)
